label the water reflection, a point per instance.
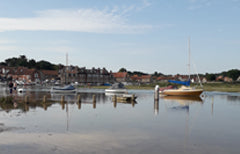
(235, 99)
(156, 106)
(73, 125)
(41, 99)
(181, 103)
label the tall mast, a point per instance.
(66, 70)
(189, 55)
(66, 59)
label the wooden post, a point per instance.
(44, 99)
(115, 104)
(94, 101)
(133, 103)
(63, 105)
(94, 98)
(62, 102)
(26, 106)
(62, 99)
(26, 99)
(44, 106)
(79, 105)
(133, 97)
(79, 98)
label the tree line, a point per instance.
(233, 73)
(30, 63)
(45, 65)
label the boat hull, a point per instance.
(172, 92)
(115, 90)
(62, 91)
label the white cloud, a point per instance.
(81, 20)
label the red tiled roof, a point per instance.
(145, 76)
(135, 77)
(49, 72)
(120, 75)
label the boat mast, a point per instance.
(66, 70)
(189, 61)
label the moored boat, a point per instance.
(183, 91)
(116, 88)
(65, 89)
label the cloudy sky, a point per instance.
(139, 35)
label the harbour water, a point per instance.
(170, 126)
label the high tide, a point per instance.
(171, 125)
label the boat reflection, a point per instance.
(183, 99)
(183, 102)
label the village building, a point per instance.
(83, 76)
(227, 79)
(204, 80)
(164, 78)
(220, 78)
(50, 75)
(5, 72)
(121, 77)
(238, 79)
(146, 79)
(135, 78)
(21, 74)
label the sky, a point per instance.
(139, 35)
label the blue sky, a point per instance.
(139, 35)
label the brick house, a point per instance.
(146, 79)
(27, 75)
(49, 75)
(121, 76)
(227, 79)
(85, 76)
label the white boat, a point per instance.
(116, 88)
(65, 89)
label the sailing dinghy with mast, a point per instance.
(68, 88)
(185, 89)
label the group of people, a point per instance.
(12, 86)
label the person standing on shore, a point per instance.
(10, 85)
(15, 86)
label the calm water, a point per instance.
(170, 126)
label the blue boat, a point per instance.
(65, 89)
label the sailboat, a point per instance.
(185, 89)
(67, 88)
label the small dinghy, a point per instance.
(65, 89)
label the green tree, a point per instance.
(32, 63)
(210, 77)
(123, 70)
(45, 65)
(234, 74)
